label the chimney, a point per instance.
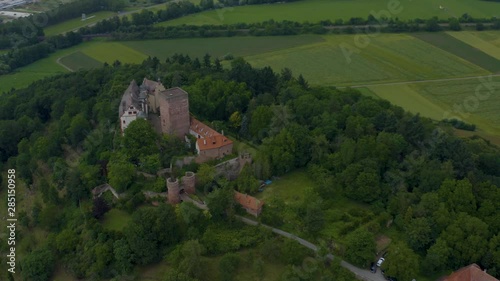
(204, 141)
(222, 132)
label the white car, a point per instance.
(380, 261)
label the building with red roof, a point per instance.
(209, 143)
(470, 273)
(251, 204)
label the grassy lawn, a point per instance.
(316, 10)
(217, 47)
(387, 58)
(489, 45)
(76, 23)
(116, 219)
(289, 187)
(367, 92)
(79, 60)
(461, 49)
(409, 99)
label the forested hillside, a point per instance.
(439, 191)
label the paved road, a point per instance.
(361, 274)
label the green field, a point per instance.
(217, 47)
(79, 60)
(316, 10)
(487, 42)
(116, 219)
(75, 24)
(111, 51)
(387, 58)
(290, 187)
(459, 48)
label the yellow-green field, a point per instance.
(111, 51)
(386, 58)
(487, 42)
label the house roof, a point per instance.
(248, 201)
(127, 99)
(210, 138)
(470, 273)
(149, 85)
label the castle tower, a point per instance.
(189, 181)
(174, 112)
(173, 191)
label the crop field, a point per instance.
(316, 10)
(76, 23)
(487, 42)
(387, 58)
(79, 60)
(461, 49)
(217, 47)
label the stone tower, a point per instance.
(189, 181)
(173, 191)
(174, 112)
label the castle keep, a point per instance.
(172, 105)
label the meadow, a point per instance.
(79, 60)
(316, 10)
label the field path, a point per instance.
(421, 81)
(63, 65)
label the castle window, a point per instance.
(123, 121)
(135, 112)
(130, 112)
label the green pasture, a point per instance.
(316, 10)
(488, 43)
(217, 47)
(79, 60)
(116, 219)
(461, 49)
(75, 24)
(341, 61)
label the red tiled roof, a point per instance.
(210, 138)
(248, 201)
(470, 273)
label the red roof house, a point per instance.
(251, 204)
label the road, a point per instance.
(361, 274)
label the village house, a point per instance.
(172, 106)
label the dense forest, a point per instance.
(61, 135)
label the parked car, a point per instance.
(373, 268)
(380, 261)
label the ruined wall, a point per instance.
(189, 182)
(173, 190)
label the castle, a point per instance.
(172, 105)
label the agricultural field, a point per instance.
(217, 47)
(316, 10)
(111, 51)
(461, 49)
(79, 60)
(386, 58)
(486, 41)
(76, 23)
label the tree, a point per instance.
(78, 129)
(360, 247)
(455, 24)
(38, 265)
(221, 203)
(123, 256)
(458, 196)
(140, 139)
(191, 263)
(419, 234)
(206, 174)
(228, 265)
(120, 172)
(246, 182)
(99, 208)
(437, 257)
(401, 262)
